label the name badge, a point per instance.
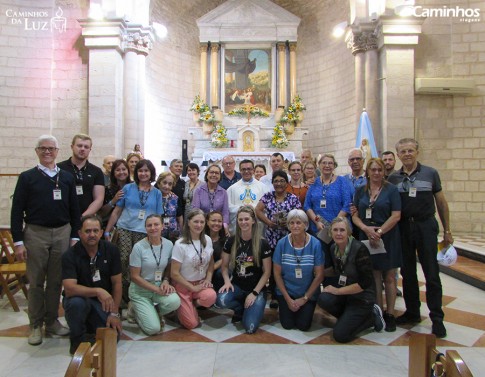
(96, 276)
(412, 192)
(57, 194)
(368, 213)
(298, 273)
(201, 269)
(323, 203)
(342, 280)
(166, 221)
(141, 214)
(79, 190)
(158, 276)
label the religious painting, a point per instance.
(248, 141)
(247, 78)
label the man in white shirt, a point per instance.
(276, 162)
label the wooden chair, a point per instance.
(423, 356)
(98, 360)
(12, 274)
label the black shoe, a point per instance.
(398, 292)
(91, 338)
(73, 347)
(378, 320)
(390, 322)
(439, 329)
(273, 304)
(408, 319)
(236, 318)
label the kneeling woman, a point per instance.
(249, 257)
(150, 278)
(192, 268)
(298, 265)
(352, 300)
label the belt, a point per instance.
(417, 219)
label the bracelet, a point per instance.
(111, 204)
(305, 297)
(166, 279)
(447, 231)
(255, 293)
(117, 315)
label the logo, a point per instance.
(464, 14)
(38, 20)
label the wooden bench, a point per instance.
(423, 355)
(98, 360)
(12, 274)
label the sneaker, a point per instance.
(130, 314)
(56, 328)
(378, 320)
(35, 337)
(390, 322)
(408, 319)
(439, 329)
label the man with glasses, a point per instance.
(356, 163)
(89, 178)
(421, 194)
(91, 275)
(247, 191)
(45, 216)
(229, 174)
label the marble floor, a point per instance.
(219, 348)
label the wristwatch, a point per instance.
(117, 315)
(379, 231)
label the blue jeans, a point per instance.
(251, 317)
(83, 315)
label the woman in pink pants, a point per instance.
(192, 269)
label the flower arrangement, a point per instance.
(207, 116)
(293, 113)
(297, 105)
(251, 110)
(199, 106)
(279, 139)
(219, 136)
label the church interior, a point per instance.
(130, 72)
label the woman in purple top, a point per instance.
(211, 197)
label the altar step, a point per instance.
(470, 266)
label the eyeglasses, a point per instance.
(295, 170)
(327, 163)
(229, 163)
(355, 159)
(47, 149)
(279, 182)
(247, 169)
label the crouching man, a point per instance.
(91, 275)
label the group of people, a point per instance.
(125, 239)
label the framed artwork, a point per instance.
(247, 78)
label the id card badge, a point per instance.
(412, 192)
(342, 280)
(201, 269)
(323, 203)
(57, 194)
(141, 214)
(298, 273)
(368, 213)
(158, 276)
(79, 190)
(166, 221)
(96, 276)
(242, 270)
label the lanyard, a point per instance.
(79, 172)
(298, 258)
(92, 264)
(199, 252)
(50, 178)
(374, 199)
(212, 198)
(143, 196)
(153, 252)
(326, 186)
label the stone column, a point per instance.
(104, 40)
(203, 71)
(138, 43)
(372, 87)
(281, 73)
(397, 39)
(214, 84)
(292, 70)
(357, 45)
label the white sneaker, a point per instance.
(130, 314)
(35, 337)
(56, 328)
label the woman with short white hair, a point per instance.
(298, 265)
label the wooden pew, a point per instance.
(422, 356)
(98, 360)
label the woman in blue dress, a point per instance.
(378, 211)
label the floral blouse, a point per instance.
(171, 210)
(271, 208)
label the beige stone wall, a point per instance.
(451, 129)
(43, 85)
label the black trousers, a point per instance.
(301, 319)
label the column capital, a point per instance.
(138, 38)
(215, 47)
(292, 46)
(362, 41)
(281, 46)
(203, 47)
